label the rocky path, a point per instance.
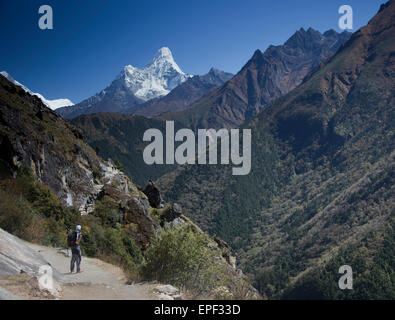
(99, 280)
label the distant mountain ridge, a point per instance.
(265, 77)
(183, 95)
(133, 86)
(52, 104)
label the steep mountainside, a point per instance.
(120, 137)
(265, 77)
(37, 137)
(50, 181)
(185, 94)
(320, 193)
(52, 104)
(133, 86)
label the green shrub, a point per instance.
(131, 248)
(183, 258)
(119, 165)
(108, 212)
(15, 214)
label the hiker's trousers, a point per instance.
(75, 258)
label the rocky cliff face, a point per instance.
(32, 135)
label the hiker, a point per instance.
(73, 240)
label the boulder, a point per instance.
(113, 193)
(163, 296)
(177, 222)
(227, 253)
(167, 289)
(153, 195)
(141, 224)
(172, 213)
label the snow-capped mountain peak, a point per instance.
(134, 86)
(163, 53)
(52, 104)
(156, 79)
(164, 57)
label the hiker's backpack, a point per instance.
(71, 239)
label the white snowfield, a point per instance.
(156, 79)
(52, 104)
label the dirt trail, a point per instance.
(99, 280)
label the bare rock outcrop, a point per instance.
(153, 194)
(16, 257)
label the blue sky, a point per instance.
(93, 39)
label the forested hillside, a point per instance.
(321, 188)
